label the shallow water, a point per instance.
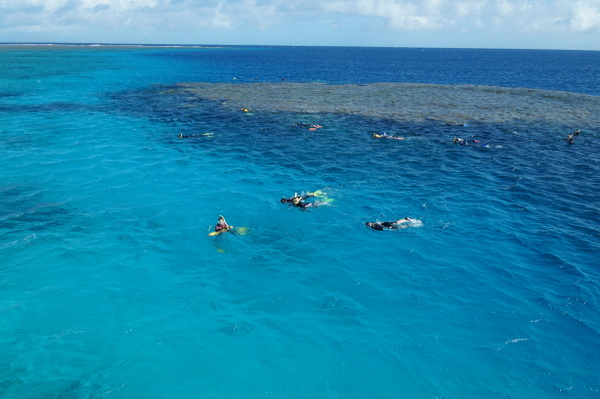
(404, 102)
(110, 287)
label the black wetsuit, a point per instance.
(297, 201)
(186, 136)
(382, 225)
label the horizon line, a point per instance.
(174, 45)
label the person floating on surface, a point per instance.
(222, 224)
(398, 224)
(185, 136)
(459, 141)
(571, 137)
(307, 125)
(298, 200)
(385, 136)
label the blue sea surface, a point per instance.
(117, 161)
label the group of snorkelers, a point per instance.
(461, 141)
(299, 201)
(296, 201)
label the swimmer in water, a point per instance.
(185, 136)
(459, 141)
(298, 201)
(385, 136)
(398, 224)
(571, 137)
(307, 125)
(222, 224)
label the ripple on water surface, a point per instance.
(112, 283)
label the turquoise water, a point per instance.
(110, 286)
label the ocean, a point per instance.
(118, 160)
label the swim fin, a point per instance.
(318, 193)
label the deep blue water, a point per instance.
(573, 71)
(110, 286)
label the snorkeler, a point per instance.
(398, 224)
(185, 136)
(222, 224)
(298, 201)
(459, 141)
(307, 125)
(571, 137)
(385, 136)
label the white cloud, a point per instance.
(409, 15)
(525, 15)
(543, 17)
(104, 14)
(585, 17)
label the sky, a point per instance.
(515, 24)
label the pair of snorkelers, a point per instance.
(299, 201)
(571, 137)
(386, 136)
(397, 224)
